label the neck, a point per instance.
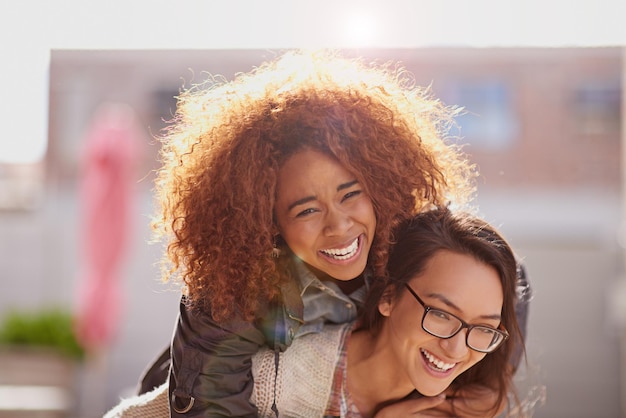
(373, 378)
(346, 286)
(349, 286)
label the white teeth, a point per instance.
(343, 253)
(435, 361)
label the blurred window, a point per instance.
(489, 122)
(597, 109)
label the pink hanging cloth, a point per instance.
(106, 192)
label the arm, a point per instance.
(156, 373)
(211, 364)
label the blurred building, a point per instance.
(543, 126)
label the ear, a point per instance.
(385, 305)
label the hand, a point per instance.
(424, 407)
(474, 401)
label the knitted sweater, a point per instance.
(152, 404)
(302, 384)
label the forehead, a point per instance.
(310, 169)
(306, 157)
(473, 286)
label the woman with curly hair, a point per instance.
(279, 192)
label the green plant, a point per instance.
(47, 327)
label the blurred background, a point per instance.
(85, 96)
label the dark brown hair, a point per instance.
(418, 240)
(222, 152)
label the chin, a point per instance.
(347, 274)
(432, 390)
(429, 393)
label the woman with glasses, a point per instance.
(445, 320)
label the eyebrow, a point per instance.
(346, 185)
(301, 202)
(451, 304)
(308, 199)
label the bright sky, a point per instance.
(29, 29)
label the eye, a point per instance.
(485, 330)
(305, 212)
(441, 315)
(351, 194)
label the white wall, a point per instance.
(568, 242)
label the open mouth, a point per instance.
(343, 253)
(435, 363)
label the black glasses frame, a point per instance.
(464, 324)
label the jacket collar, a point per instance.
(305, 279)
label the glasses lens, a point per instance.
(484, 338)
(440, 323)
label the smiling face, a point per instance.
(324, 215)
(452, 282)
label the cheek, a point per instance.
(406, 326)
(298, 235)
(367, 214)
(292, 235)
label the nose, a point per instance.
(338, 222)
(456, 347)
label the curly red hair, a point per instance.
(222, 153)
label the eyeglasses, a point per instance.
(444, 325)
